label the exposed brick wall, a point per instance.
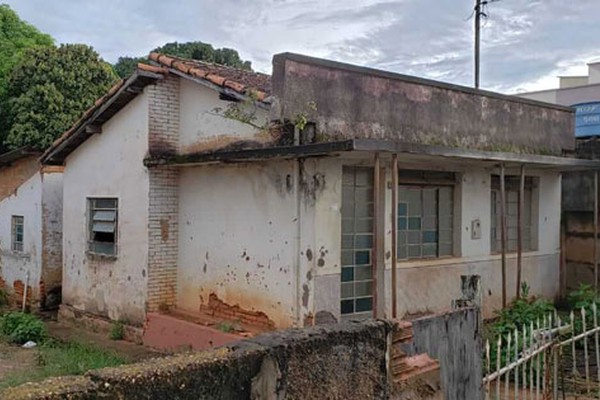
(52, 209)
(219, 309)
(163, 225)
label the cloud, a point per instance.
(525, 43)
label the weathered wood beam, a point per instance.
(93, 129)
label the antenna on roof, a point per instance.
(479, 12)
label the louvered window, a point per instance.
(102, 225)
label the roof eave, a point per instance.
(487, 158)
(133, 86)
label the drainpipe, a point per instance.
(503, 232)
(394, 233)
(520, 214)
(376, 235)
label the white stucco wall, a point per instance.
(203, 125)
(26, 202)
(431, 285)
(109, 164)
(237, 238)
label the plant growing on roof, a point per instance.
(301, 119)
(242, 111)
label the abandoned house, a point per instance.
(31, 228)
(197, 190)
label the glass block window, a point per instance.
(17, 228)
(357, 242)
(102, 226)
(512, 217)
(425, 214)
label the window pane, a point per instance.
(103, 248)
(105, 215)
(365, 304)
(362, 257)
(347, 290)
(104, 203)
(347, 274)
(103, 227)
(363, 273)
(347, 306)
(362, 289)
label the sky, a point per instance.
(526, 44)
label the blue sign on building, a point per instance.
(587, 119)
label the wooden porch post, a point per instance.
(394, 232)
(520, 214)
(376, 234)
(503, 232)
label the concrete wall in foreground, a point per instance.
(344, 361)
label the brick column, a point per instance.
(163, 216)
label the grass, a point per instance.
(58, 359)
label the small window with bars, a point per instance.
(102, 225)
(425, 214)
(17, 232)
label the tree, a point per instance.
(16, 36)
(191, 50)
(49, 90)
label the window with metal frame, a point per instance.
(511, 186)
(17, 232)
(102, 225)
(357, 242)
(425, 214)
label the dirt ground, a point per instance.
(15, 358)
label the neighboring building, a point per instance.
(236, 196)
(583, 94)
(30, 228)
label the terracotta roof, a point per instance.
(240, 81)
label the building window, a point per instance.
(17, 224)
(102, 226)
(357, 242)
(425, 214)
(511, 186)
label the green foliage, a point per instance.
(584, 297)
(192, 50)
(521, 312)
(49, 90)
(4, 299)
(301, 119)
(126, 65)
(226, 327)
(518, 315)
(58, 359)
(20, 327)
(117, 331)
(16, 36)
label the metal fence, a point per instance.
(549, 359)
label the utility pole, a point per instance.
(478, 13)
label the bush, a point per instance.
(521, 312)
(117, 331)
(20, 327)
(4, 300)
